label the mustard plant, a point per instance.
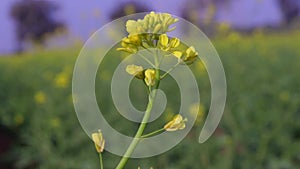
(145, 34)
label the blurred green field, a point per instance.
(260, 128)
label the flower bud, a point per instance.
(191, 54)
(174, 43)
(163, 40)
(135, 70)
(99, 141)
(157, 28)
(150, 77)
(177, 123)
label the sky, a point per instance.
(82, 17)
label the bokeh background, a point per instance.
(258, 43)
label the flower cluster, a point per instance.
(143, 34)
(171, 45)
(157, 23)
(138, 71)
(150, 32)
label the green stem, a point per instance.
(147, 60)
(101, 161)
(147, 49)
(152, 133)
(143, 124)
(170, 70)
(137, 136)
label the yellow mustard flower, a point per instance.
(177, 123)
(151, 23)
(177, 54)
(167, 44)
(174, 43)
(130, 44)
(150, 77)
(135, 70)
(40, 97)
(164, 40)
(132, 39)
(99, 141)
(131, 27)
(190, 55)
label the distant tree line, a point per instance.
(290, 10)
(34, 21)
(34, 18)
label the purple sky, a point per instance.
(249, 13)
(83, 17)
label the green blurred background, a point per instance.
(260, 128)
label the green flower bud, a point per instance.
(157, 28)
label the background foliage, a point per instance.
(260, 127)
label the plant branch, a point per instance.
(152, 133)
(170, 70)
(147, 60)
(101, 161)
(145, 119)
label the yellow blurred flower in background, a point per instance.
(61, 80)
(234, 37)
(129, 9)
(198, 111)
(224, 28)
(19, 119)
(55, 122)
(200, 66)
(40, 97)
(284, 96)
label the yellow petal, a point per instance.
(131, 26)
(126, 40)
(164, 40)
(190, 50)
(127, 49)
(175, 42)
(135, 70)
(177, 54)
(99, 141)
(177, 123)
(150, 77)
